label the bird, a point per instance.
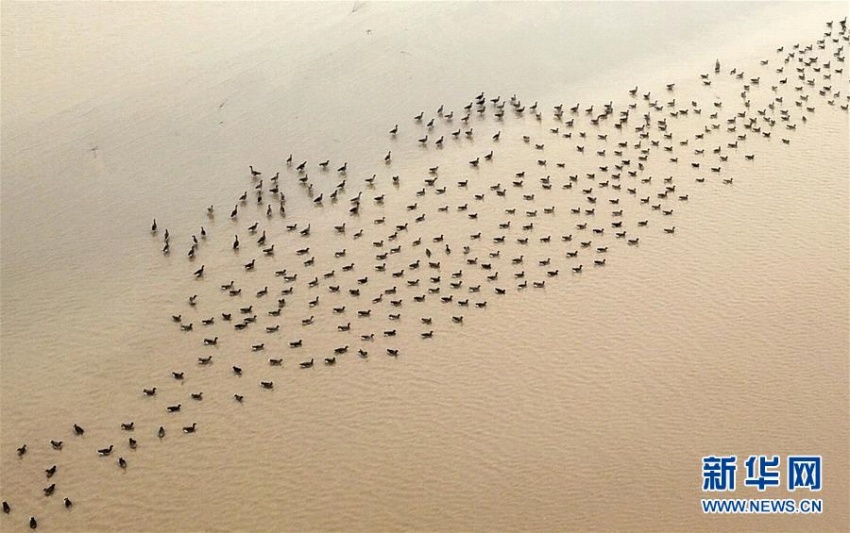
(105, 451)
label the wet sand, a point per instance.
(586, 403)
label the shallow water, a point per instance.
(585, 404)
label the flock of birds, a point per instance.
(598, 178)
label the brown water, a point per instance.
(586, 404)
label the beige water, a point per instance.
(586, 404)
